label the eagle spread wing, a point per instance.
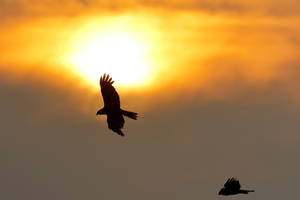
(232, 184)
(111, 108)
(110, 96)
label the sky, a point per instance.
(215, 84)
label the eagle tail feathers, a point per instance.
(129, 114)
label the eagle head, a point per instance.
(101, 112)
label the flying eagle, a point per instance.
(232, 187)
(112, 109)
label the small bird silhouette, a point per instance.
(232, 187)
(112, 109)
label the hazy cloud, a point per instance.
(188, 149)
(35, 8)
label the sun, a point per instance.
(120, 53)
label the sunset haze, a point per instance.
(215, 84)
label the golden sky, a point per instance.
(215, 83)
(190, 46)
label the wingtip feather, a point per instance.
(106, 79)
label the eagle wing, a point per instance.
(110, 96)
(232, 184)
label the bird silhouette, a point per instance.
(233, 187)
(112, 109)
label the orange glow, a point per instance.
(150, 55)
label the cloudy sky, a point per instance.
(215, 84)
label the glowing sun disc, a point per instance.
(120, 54)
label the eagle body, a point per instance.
(112, 108)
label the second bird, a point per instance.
(112, 108)
(233, 187)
